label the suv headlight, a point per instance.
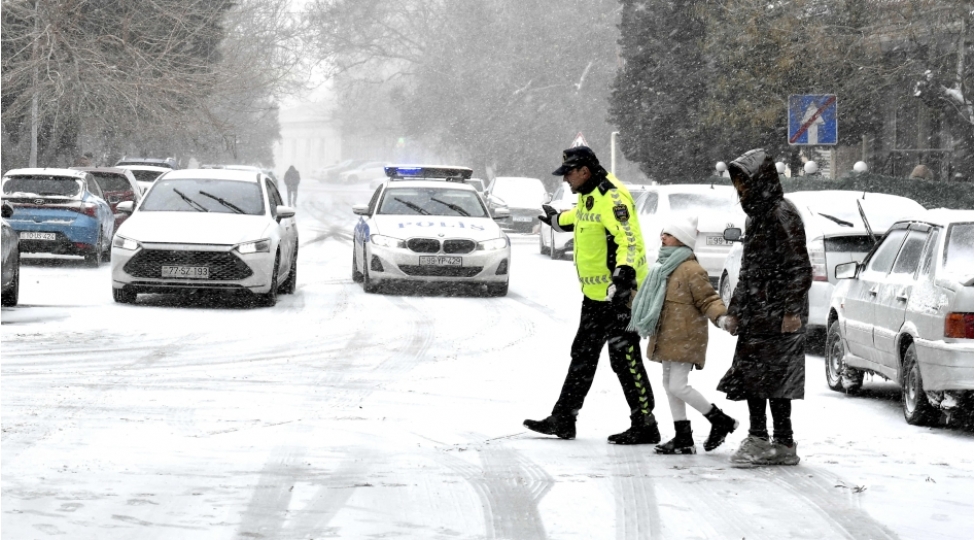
(387, 241)
(491, 245)
(259, 246)
(122, 242)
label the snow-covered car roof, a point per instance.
(943, 216)
(71, 173)
(144, 168)
(215, 174)
(882, 210)
(689, 188)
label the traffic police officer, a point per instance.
(610, 261)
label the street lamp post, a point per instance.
(612, 152)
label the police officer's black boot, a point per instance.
(683, 441)
(563, 427)
(721, 426)
(643, 430)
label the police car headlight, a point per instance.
(491, 245)
(387, 241)
(260, 246)
(122, 242)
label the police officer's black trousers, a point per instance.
(603, 322)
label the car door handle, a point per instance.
(902, 295)
(873, 291)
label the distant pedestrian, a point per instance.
(610, 263)
(291, 181)
(768, 312)
(672, 308)
(84, 160)
(922, 172)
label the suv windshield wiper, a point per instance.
(837, 220)
(412, 206)
(224, 202)
(195, 205)
(452, 206)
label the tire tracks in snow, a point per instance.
(510, 487)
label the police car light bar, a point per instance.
(402, 172)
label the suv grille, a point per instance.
(458, 246)
(148, 263)
(423, 245)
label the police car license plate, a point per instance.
(440, 261)
(37, 236)
(522, 218)
(718, 241)
(192, 272)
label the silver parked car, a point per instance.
(550, 241)
(905, 314)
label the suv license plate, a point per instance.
(440, 261)
(718, 241)
(191, 272)
(523, 218)
(37, 236)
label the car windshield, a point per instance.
(520, 192)
(112, 182)
(205, 195)
(51, 186)
(431, 201)
(959, 253)
(146, 176)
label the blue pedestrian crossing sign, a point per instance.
(812, 119)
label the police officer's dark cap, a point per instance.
(576, 157)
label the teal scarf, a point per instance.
(649, 298)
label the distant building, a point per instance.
(310, 139)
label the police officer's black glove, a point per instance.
(550, 214)
(624, 283)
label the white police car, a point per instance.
(424, 224)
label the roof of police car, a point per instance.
(433, 183)
(214, 174)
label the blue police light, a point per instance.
(428, 171)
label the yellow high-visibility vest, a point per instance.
(606, 234)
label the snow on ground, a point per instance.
(347, 415)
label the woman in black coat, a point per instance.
(768, 312)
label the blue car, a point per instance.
(59, 211)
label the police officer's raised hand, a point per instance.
(550, 214)
(624, 283)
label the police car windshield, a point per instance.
(432, 202)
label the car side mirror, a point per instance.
(501, 213)
(361, 209)
(285, 212)
(732, 234)
(7, 211)
(125, 207)
(846, 270)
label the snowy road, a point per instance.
(342, 414)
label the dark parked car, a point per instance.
(118, 185)
(61, 211)
(11, 260)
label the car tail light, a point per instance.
(817, 257)
(89, 209)
(959, 325)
